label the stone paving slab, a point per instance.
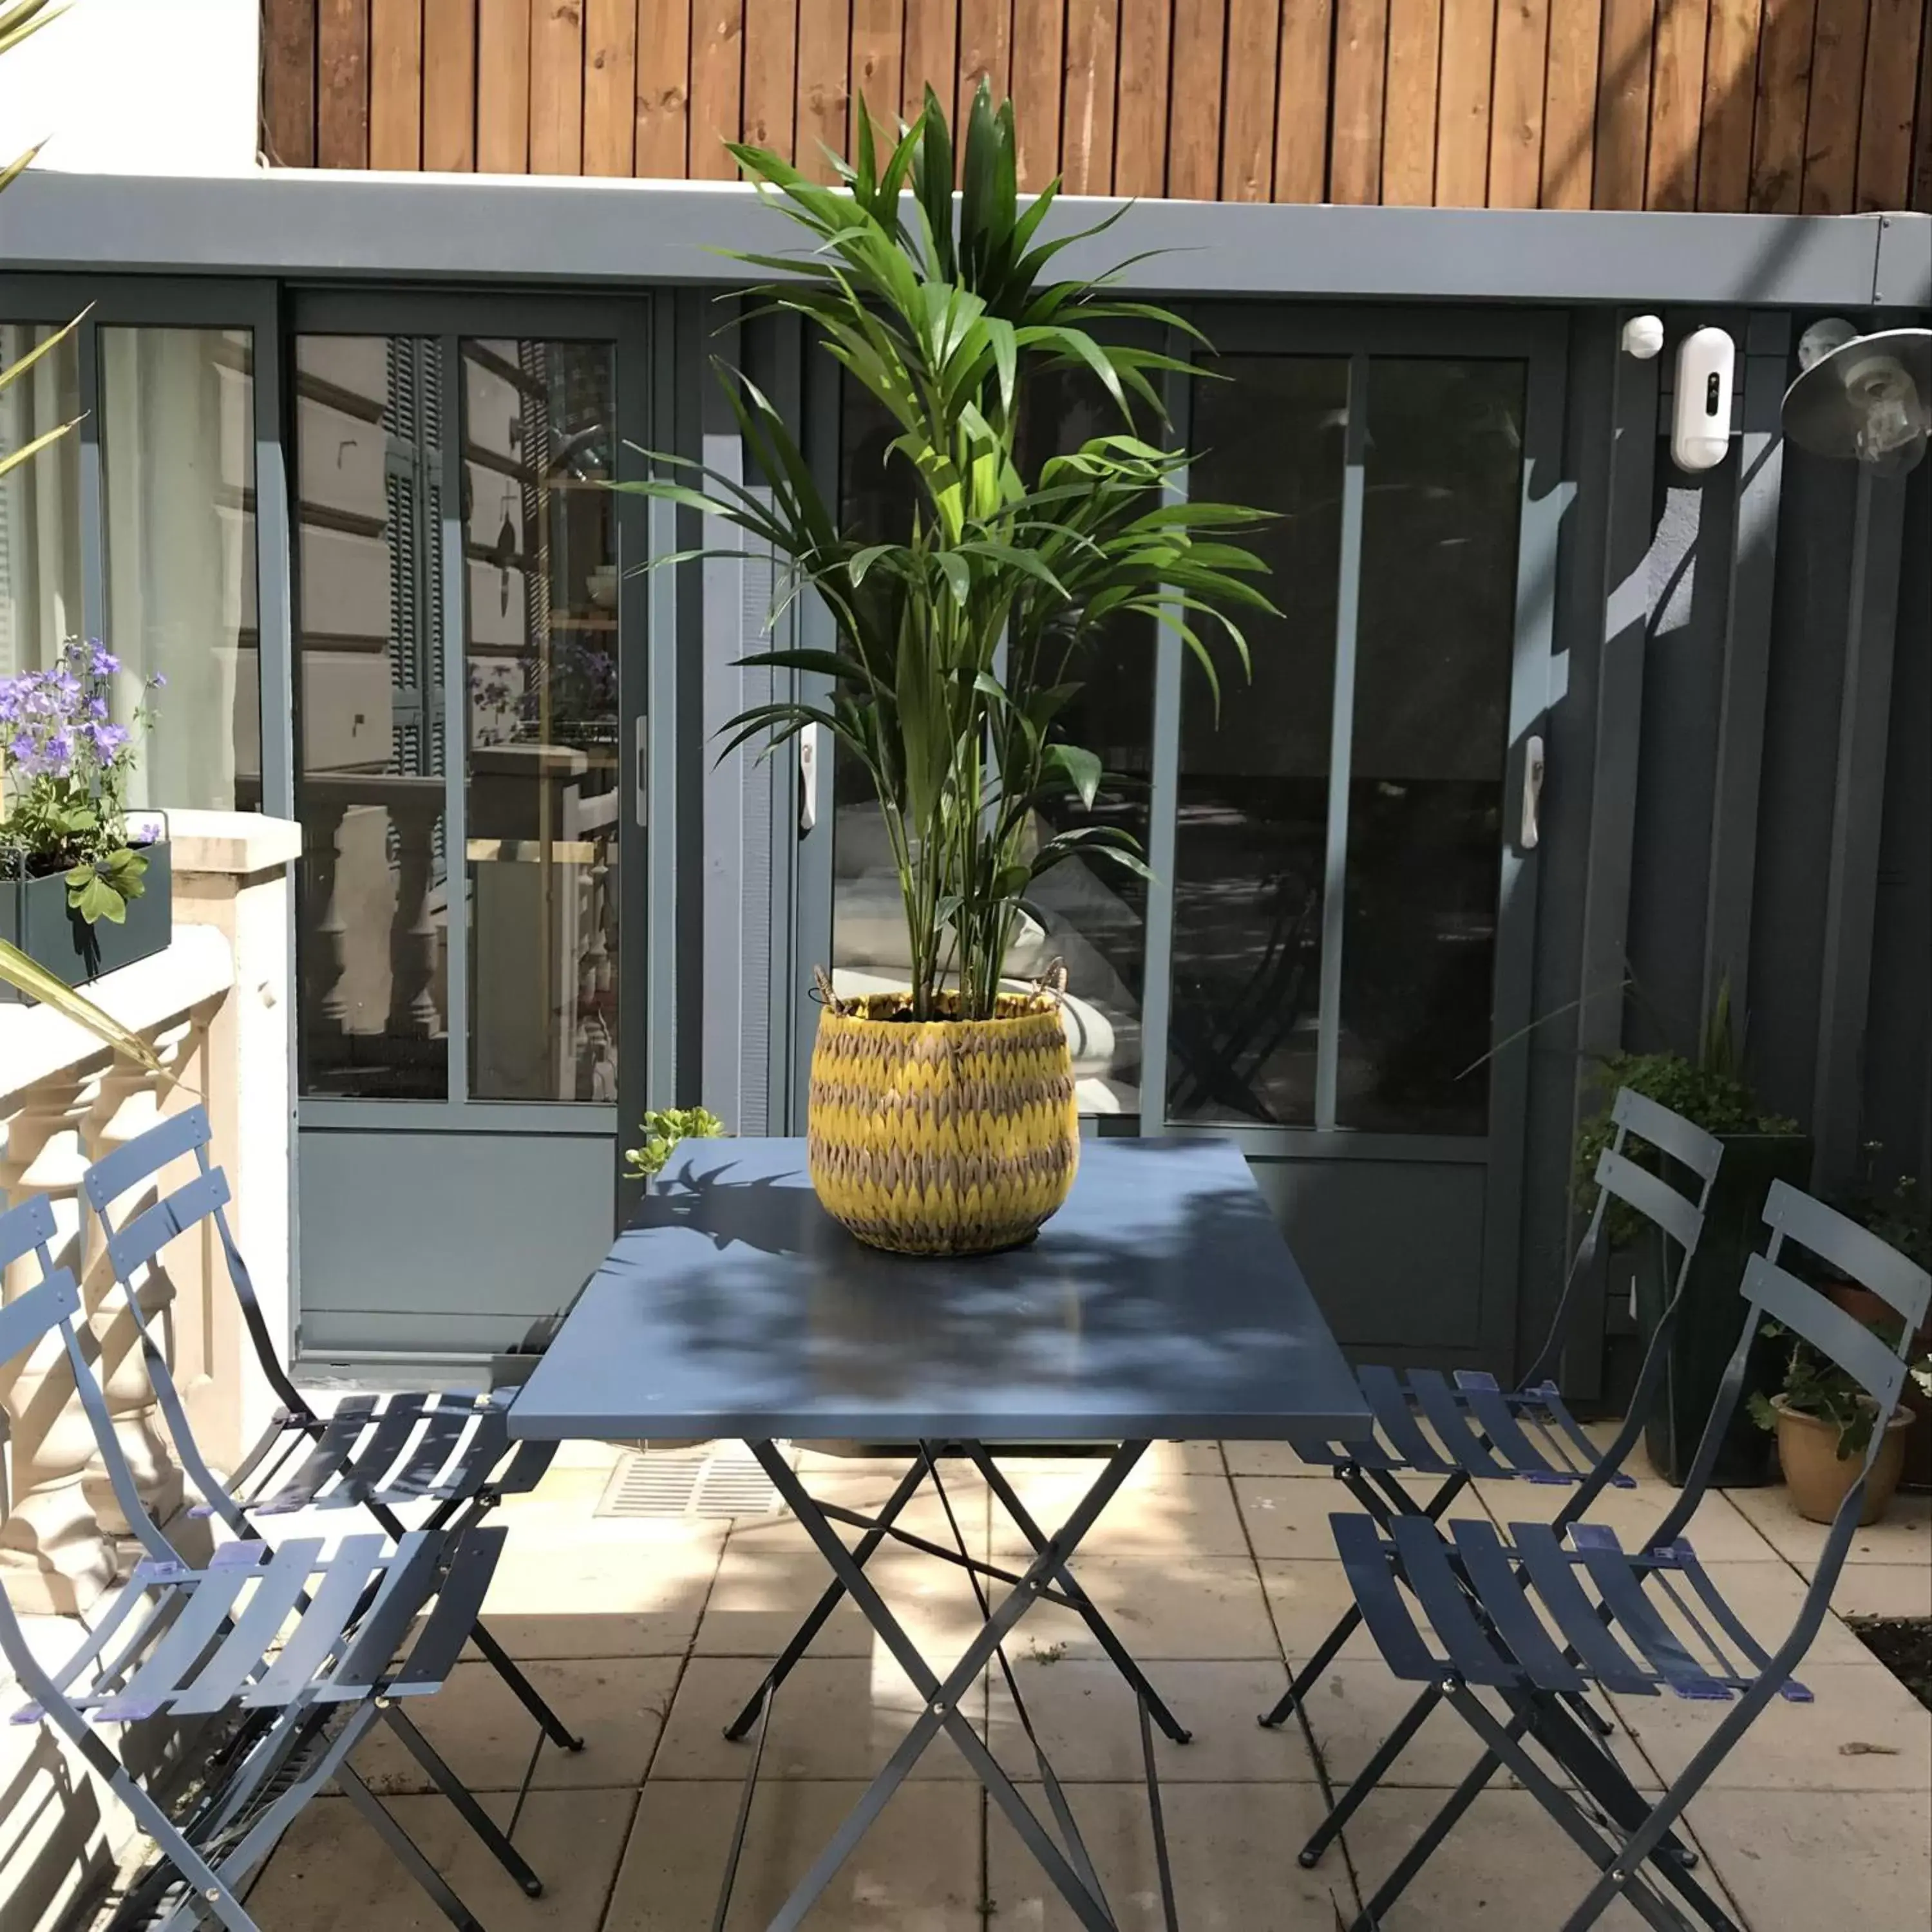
(1218, 1571)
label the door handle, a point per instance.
(641, 770)
(1531, 829)
(808, 777)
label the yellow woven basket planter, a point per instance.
(942, 1137)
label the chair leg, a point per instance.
(411, 1860)
(525, 1692)
(1350, 1802)
(1303, 1681)
(459, 1794)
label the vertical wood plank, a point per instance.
(503, 87)
(1301, 102)
(1355, 147)
(1140, 111)
(1569, 102)
(663, 88)
(717, 99)
(1038, 61)
(1676, 106)
(395, 84)
(1887, 104)
(449, 85)
(556, 87)
(824, 48)
(1783, 85)
(986, 53)
(931, 55)
(1516, 114)
(609, 86)
(1194, 102)
(342, 84)
(1831, 120)
(878, 46)
(1623, 105)
(1730, 102)
(288, 82)
(1921, 130)
(1247, 123)
(1462, 104)
(771, 75)
(1087, 121)
(1408, 102)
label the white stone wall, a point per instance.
(161, 87)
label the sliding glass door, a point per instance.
(470, 692)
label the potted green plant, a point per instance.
(941, 1118)
(81, 893)
(1710, 1090)
(662, 1128)
(1823, 1422)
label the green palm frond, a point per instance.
(958, 649)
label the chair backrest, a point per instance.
(133, 1246)
(1674, 1215)
(1771, 1289)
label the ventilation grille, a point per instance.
(721, 1479)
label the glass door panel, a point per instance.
(1252, 810)
(540, 666)
(372, 913)
(1433, 656)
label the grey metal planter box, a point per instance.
(34, 916)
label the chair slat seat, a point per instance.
(212, 1632)
(1491, 1602)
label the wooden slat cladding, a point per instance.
(1820, 106)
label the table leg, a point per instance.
(941, 1696)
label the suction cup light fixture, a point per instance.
(1865, 398)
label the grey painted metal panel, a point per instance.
(424, 1227)
(1758, 452)
(1852, 888)
(1393, 1250)
(1903, 278)
(418, 228)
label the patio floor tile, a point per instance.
(1087, 1718)
(1815, 1858)
(1308, 1598)
(1865, 1732)
(836, 1718)
(1233, 1852)
(1267, 1459)
(1208, 1607)
(1287, 1516)
(1884, 1590)
(1155, 1513)
(1353, 1708)
(1905, 1536)
(332, 1873)
(564, 1594)
(616, 1704)
(1506, 1864)
(917, 1870)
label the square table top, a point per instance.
(1161, 1302)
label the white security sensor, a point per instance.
(1643, 336)
(1700, 420)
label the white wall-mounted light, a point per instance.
(1643, 336)
(1868, 397)
(1700, 417)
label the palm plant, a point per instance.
(958, 649)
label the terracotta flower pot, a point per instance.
(1861, 1305)
(1818, 1477)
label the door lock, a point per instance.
(808, 777)
(1532, 794)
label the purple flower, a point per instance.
(101, 661)
(158, 683)
(20, 747)
(105, 741)
(97, 708)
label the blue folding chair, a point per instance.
(377, 1453)
(1631, 1622)
(1527, 1434)
(287, 1657)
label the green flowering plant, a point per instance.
(65, 766)
(663, 1128)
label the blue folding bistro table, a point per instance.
(1161, 1302)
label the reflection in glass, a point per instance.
(39, 503)
(1444, 476)
(373, 909)
(540, 663)
(178, 454)
(1252, 813)
(1090, 913)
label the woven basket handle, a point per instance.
(1053, 980)
(822, 987)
